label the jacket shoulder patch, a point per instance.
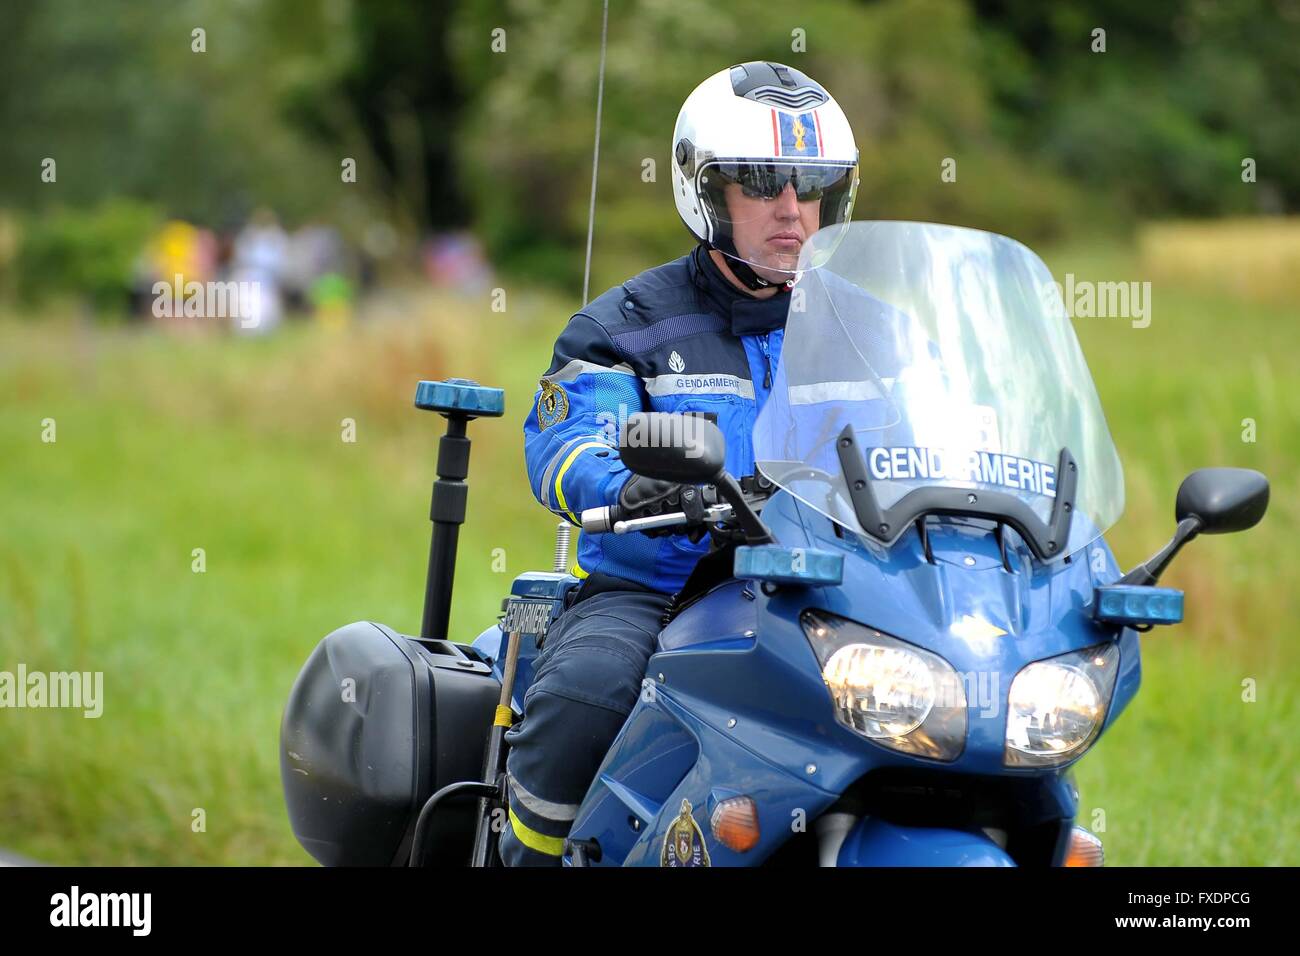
(552, 405)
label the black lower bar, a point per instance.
(447, 512)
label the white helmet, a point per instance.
(762, 126)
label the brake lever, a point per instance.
(712, 515)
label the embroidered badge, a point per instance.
(684, 843)
(552, 405)
(675, 362)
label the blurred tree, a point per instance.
(397, 91)
(91, 252)
(1162, 120)
(908, 74)
(116, 94)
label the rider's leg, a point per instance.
(585, 683)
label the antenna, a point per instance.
(595, 158)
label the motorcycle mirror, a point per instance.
(1223, 500)
(1210, 501)
(673, 447)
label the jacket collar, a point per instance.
(749, 316)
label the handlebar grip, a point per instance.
(601, 520)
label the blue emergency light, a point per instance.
(806, 566)
(1134, 604)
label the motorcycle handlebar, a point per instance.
(712, 515)
(619, 520)
(610, 517)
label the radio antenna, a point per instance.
(595, 158)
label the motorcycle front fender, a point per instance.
(873, 842)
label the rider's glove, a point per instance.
(642, 497)
(692, 502)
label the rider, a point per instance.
(762, 158)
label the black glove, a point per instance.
(692, 503)
(643, 497)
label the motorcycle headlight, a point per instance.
(1056, 707)
(892, 692)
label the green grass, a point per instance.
(168, 444)
(1192, 774)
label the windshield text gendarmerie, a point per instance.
(944, 464)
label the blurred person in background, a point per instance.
(455, 260)
(180, 253)
(318, 275)
(260, 257)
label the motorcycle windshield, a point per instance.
(948, 355)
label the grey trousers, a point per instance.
(586, 680)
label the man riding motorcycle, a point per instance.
(762, 158)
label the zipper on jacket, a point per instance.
(767, 361)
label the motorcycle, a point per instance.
(907, 630)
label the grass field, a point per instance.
(167, 444)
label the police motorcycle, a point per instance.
(908, 629)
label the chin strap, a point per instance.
(748, 277)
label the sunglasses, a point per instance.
(768, 180)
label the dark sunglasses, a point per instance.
(768, 180)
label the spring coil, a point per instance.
(562, 532)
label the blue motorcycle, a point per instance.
(908, 627)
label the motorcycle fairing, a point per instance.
(750, 713)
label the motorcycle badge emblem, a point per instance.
(684, 843)
(552, 405)
(675, 362)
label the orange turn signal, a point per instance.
(1085, 849)
(735, 823)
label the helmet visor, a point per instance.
(762, 212)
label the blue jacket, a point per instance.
(678, 337)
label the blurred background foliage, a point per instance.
(473, 172)
(451, 131)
